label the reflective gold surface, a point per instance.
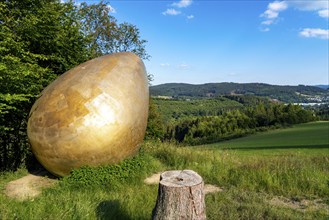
(94, 114)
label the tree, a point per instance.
(48, 30)
(154, 128)
(105, 35)
(21, 80)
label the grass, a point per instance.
(309, 135)
(253, 174)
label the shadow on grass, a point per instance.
(34, 167)
(43, 173)
(110, 209)
(319, 146)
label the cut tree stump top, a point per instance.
(180, 196)
(180, 178)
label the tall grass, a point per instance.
(249, 181)
(290, 175)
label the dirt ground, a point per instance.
(30, 185)
(300, 204)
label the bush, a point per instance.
(110, 175)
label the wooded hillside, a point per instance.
(286, 94)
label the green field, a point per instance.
(281, 174)
(311, 138)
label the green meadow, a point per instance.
(310, 138)
(279, 174)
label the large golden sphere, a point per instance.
(94, 114)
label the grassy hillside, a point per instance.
(312, 136)
(298, 93)
(285, 184)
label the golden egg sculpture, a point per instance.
(94, 114)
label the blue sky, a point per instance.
(195, 41)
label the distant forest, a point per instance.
(287, 94)
(208, 120)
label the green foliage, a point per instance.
(322, 111)
(47, 31)
(155, 129)
(108, 175)
(104, 35)
(235, 123)
(33, 40)
(176, 109)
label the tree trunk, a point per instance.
(180, 196)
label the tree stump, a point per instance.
(180, 196)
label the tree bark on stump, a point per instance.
(180, 196)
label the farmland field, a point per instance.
(310, 137)
(281, 174)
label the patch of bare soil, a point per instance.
(29, 186)
(300, 204)
(154, 179)
(208, 188)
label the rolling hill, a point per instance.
(300, 93)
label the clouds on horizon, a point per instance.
(271, 15)
(181, 66)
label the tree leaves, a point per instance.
(39, 40)
(105, 35)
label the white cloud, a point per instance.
(265, 29)
(277, 6)
(164, 64)
(183, 66)
(182, 3)
(311, 5)
(316, 5)
(171, 11)
(271, 15)
(272, 12)
(324, 13)
(179, 4)
(315, 33)
(268, 22)
(111, 9)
